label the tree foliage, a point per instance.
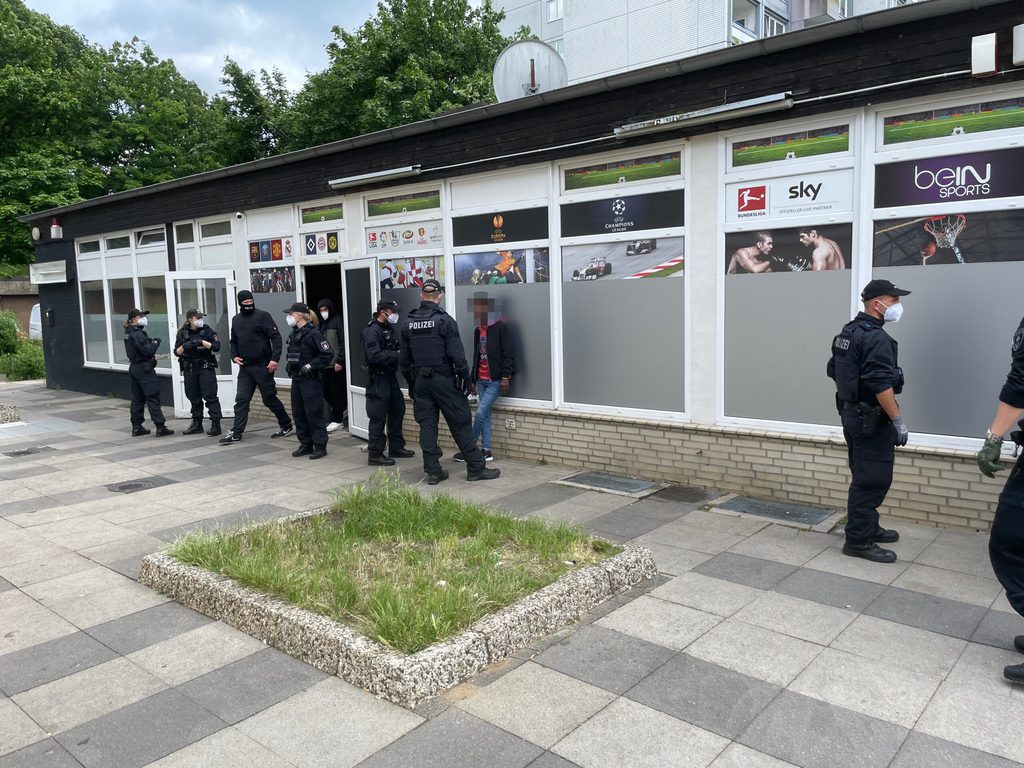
(255, 114)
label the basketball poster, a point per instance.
(950, 239)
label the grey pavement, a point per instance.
(758, 646)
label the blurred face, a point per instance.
(480, 311)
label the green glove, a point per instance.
(988, 457)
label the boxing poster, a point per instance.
(790, 249)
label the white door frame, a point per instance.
(358, 421)
(225, 382)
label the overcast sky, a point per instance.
(198, 34)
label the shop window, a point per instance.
(88, 246)
(94, 322)
(215, 229)
(153, 297)
(121, 300)
(118, 243)
(184, 233)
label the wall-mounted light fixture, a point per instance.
(56, 231)
(771, 103)
(363, 178)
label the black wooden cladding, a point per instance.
(835, 66)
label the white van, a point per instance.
(35, 324)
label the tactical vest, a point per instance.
(426, 344)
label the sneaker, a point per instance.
(139, 431)
(437, 477)
(402, 453)
(487, 455)
(483, 474)
(163, 431)
(883, 536)
(871, 552)
(460, 456)
(284, 431)
(230, 437)
(302, 450)
(195, 428)
(334, 426)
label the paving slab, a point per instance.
(755, 651)
(900, 645)
(972, 718)
(923, 751)
(715, 698)
(784, 545)
(224, 749)
(940, 582)
(711, 595)
(17, 729)
(679, 534)
(45, 662)
(43, 754)
(537, 703)
(603, 657)
(530, 500)
(751, 571)
(628, 733)
(998, 629)
(738, 756)
(661, 622)
(936, 614)
(830, 589)
(25, 622)
(196, 652)
(803, 619)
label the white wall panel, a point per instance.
(151, 262)
(119, 266)
(90, 269)
(221, 255)
(270, 221)
(500, 189)
(185, 259)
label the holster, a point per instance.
(870, 418)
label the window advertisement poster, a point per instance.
(791, 249)
(956, 238)
(624, 213)
(791, 146)
(409, 273)
(952, 178)
(959, 120)
(320, 244)
(623, 171)
(801, 195)
(395, 205)
(270, 250)
(276, 280)
(421, 236)
(661, 257)
(512, 267)
(500, 227)
(323, 213)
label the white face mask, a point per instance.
(893, 313)
(325, 315)
(393, 318)
(290, 320)
(200, 323)
(143, 321)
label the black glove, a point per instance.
(157, 343)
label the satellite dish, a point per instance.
(526, 68)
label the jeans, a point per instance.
(487, 392)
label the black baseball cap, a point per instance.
(387, 304)
(193, 313)
(298, 306)
(432, 286)
(877, 288)
(137, 313)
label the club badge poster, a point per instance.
(789, 249)
(269, 250)
(955, 239)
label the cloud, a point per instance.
(199, 34)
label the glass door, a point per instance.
(213, 294)
(360, 297)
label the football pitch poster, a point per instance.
(623, 171)
(791, 146)
(954, 121)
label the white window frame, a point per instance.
(773, 25)
(554, 10)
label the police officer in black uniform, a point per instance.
(385, 404)
(1006, 540)
(434, 363)
(141, 352)
(195, 345)
(868, 378)
(307, 356)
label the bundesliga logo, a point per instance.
(751, 199)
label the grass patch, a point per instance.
(401, 568)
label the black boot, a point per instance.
(401, 453)
(214, 429)
(870, 551)
(319, 451)
(163, 431)
(139, 431)
(379, 460)
(487, 473)
(304, 449)
(195, 428)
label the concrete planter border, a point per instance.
(403, 679)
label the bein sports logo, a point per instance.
(954, 182)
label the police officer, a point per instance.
(1006, 541)
(141, 352)
(255, 348)
(434, 363)
(195, 345)
(385, 404)
(307, 356)
(868, 378)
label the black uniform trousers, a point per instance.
(1006, 540)
(251, 378)
(871, 459)
(336, 394)
(308, 410)
(385, 406)
(145, 393)
(200, 387)
(437, 394)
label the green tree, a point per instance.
(254, 114)
(413, 60)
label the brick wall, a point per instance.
(930, 486)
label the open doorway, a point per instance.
(322, 282)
